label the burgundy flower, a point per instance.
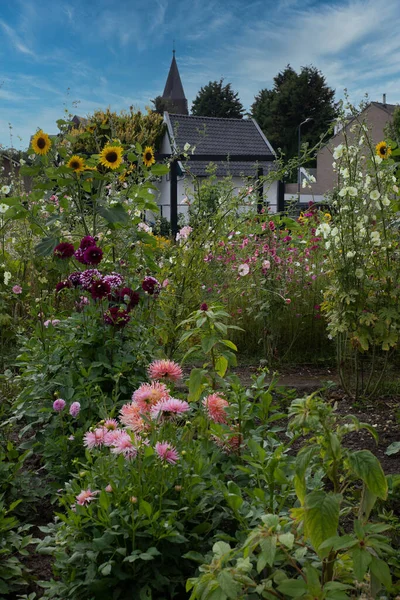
(93, 255)
(64, 250)
(204, 306)
(87, 277)
(63, 285)
(116, 316)
(87, 242)
(129, 297)
(100, 289)
(151, 285)
(75, 278)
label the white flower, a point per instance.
(5, 189)
(375, 195)
(144, 227)
(335, 231)
(7, 277)
(345, 172)
(376, 238)
(184, 233)
(311, 179)
(304, 183)
(352, 191)
(22, 162)
(327, 245)
(359, 273)
(395, 189)
(338, 152)
(3, 207)
(386, 201)
(243, 269)
(378, 159)
(186, 147)
(343, 192)
(350, 254)
(324, 229)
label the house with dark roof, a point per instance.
(211, 136)
(377, 115)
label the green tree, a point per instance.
(217, 100)
(294, 98)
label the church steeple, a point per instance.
(173, 94)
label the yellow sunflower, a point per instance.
(148, 156)
(41, 143)
(327, 217)
(76, 163)
(111, 156)
(383, 150)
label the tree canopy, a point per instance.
(294, 98)
(217, 100)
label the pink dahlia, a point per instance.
(215, 406)
(123, 445)
(110, 436)
(85, 497)
(131, 417)
(17, 289)
(169, 408)
(167, 453)
(94, 439)
(149, 394)
(111, 424)
(74, 409)
(59, 404)
(165, 369)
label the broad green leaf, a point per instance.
(293, 587)
(160, 169)
(221, 365)
(146, 508)
(321, 518)
(368, 468)
(361, 562)
(380, 569)
(287, 539)
(221, 548)
(228, 584)
(229, 344)
(268, 552)
(338, 542)
(197, 382)
(207, 343)
(393, 448)
(46, 246)
(114, 214)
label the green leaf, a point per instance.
(338, 542)
(230, 344)
(228, 584)
(361, 562)
(293, 587)
(195, 556)
(197, 382)
(114, 214)
(221, 548)
(160, 169)
(268, 552)
(208, 342)
(46, 246)
(321, 518)
(393, 448)
(287, 539)
(368, 468)
(221, 365)
(380, 569)
(146, 508)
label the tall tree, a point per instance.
(217, 100)
(294, 98)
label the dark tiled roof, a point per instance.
(213, 135)
(389, 108)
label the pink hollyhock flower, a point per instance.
(94, 439)
(184, 233)
(288, 301)
(149, 394)
(271, 225)
(59, 404)
(74, 409)
(108, 488)
(215, 406)
(167, 453)
(165, 369)
(123, 445)
(131, 417)
(243, 269)
(169, 408)
(17, 289)
(85, 497)
(165, 283)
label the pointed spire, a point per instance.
(173, 91)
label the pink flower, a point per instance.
(165, 369)
(184, 233)
(131, 417)
(108, 488)
(17, 289)
(59, 404)
(94, 439)
(229, 443)
(215, 406)
(149, 394)
(165, 283)
(85, 497)
(111, 424)
(243, 269)
(288, 301)
(167, 453)
(110, 436)
(169, 408)
(123, 445)
(74, 409)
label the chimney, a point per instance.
(384, 99)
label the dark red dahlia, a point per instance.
(129, 297)
(79, 256)
(87, 242)
(93, 255)
(116, 316)
(100, 289)
(204, 306)
(151, 285)
(62, 285)
(64, 250)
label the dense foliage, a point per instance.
(217, 99)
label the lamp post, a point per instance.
(298, 156)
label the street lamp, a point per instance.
(298, 156)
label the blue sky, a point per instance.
(88, 54)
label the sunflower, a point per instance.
(148, 156)
(76, 163)
(327, 217)
(41, 143)
(111, 156)
(383, 150)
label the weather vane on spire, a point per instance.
(173, 47)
